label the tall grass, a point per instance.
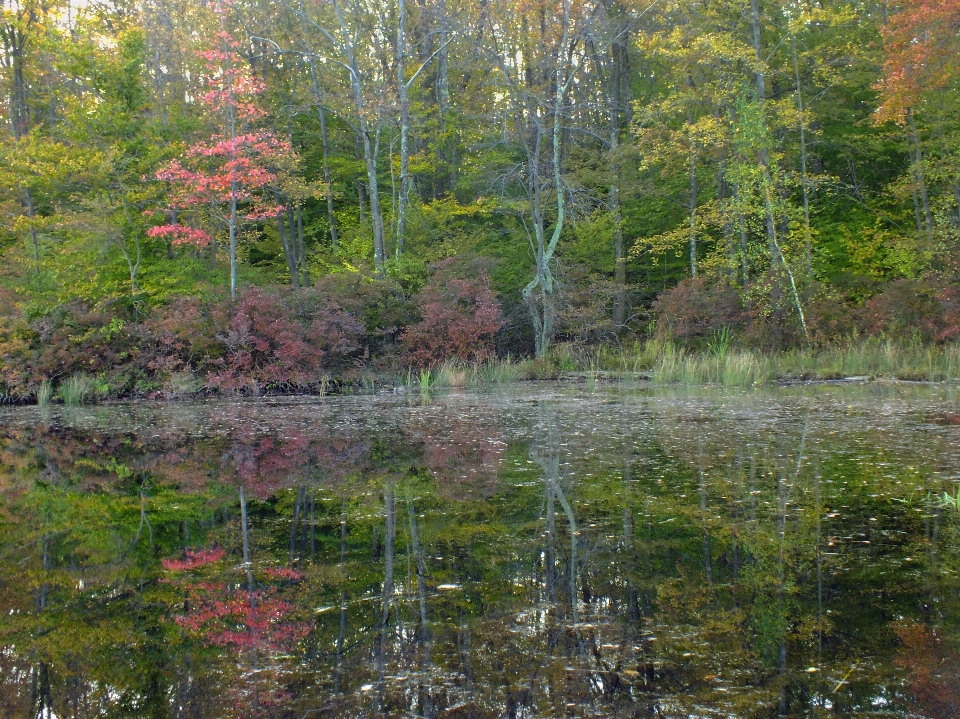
(721, 363)
(868, 359)
(76, 389)
(733, 369)
(497, 371)
(450, 374)
(44, 393)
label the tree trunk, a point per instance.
(917, 157)
(763, 155)
(295, 244)
(807, 239)
(325, 145)
(305, 279)
(693, 213)
(539, 292)
(404, 130)
(287, 250)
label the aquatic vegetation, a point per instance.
(44, 393)
(76, 388)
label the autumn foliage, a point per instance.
(933, 670)
(458, 314)
(922, 46)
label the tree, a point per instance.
(227, 175)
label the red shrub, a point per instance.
(266, 346)
(183, 335)
(380, 308)
(927, 307)
(695, 309)
(459, 314)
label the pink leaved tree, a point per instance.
(227, 175)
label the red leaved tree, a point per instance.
(225, 175)
(922, 48)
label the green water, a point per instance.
(541, 551)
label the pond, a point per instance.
(543, 550)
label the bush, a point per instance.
(695, 310)
(459, 314)
(926, 309)
(183, 336)
(380, 308)
(276, 339)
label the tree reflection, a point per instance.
(480, 558)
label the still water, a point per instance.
(540, 551)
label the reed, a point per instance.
(869, 359)
(44, 393)
(76, 389)
(450, 374)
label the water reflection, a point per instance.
(540, 552)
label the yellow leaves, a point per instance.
(882, 253)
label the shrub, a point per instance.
(379, 307)
(926, 308)
(459, 314)
(284, 338)
(69, 340)
(695, 310)
(183, 336)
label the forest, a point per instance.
(254, 196)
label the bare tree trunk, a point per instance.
(325, 145)
(287, 250)
(305, 273)
(917, 157)
(693, 212)
(33, 230)
(770, 216)
(542, 304)
(294, 246)
(404, 130)
(807, 239)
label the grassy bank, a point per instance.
(659, 362)
(722, 364)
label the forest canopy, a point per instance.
(244, 195)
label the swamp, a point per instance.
(535, 550)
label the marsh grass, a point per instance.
(722, 363)
(76, 389)
(869, 359)
(450, 374)
(44, 393)
(426, 380)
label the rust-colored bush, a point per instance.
(926, 308)
(695, 309)
(459, 314)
